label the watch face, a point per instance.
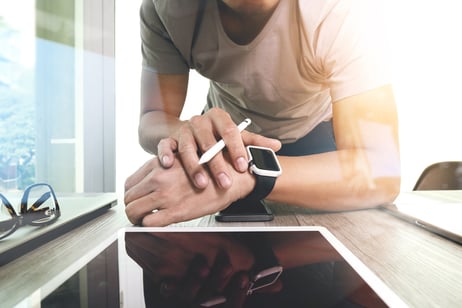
(264, 159)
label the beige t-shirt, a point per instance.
(285, 94)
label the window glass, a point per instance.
(17, 105)
(48, 60)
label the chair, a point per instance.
(445, 175)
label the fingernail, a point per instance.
(242, 164)
(165, 160)
(224, 180)
(200, 179)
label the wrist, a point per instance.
(247, 184)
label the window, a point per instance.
(57, 118)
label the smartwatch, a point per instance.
(266, 270)
(264, 165)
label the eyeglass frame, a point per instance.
(25, 216)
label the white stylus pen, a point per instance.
(217, 147)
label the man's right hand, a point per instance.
(198, 135)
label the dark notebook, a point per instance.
(76, 209)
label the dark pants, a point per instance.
(321, 139)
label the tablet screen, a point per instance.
(251, 267)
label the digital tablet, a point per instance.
(244, 267)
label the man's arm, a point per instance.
(365, 169)
(162, 133)
(162, 99)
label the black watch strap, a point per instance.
(261, 249)
(263, 186)
(266, 269)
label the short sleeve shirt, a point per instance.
(309, 55)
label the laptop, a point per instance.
(438, 211)
(76, 209)
(158, 267)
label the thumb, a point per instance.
(166, 152)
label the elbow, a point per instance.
(388, 179)
(388, 189)
(147, 143)
(382, 189)
(372, 192)
(375, 184)
(383, 176)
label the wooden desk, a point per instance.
(422, 268)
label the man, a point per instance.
(310, 74)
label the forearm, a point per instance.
(162, 99)
(341, 180)
(365, 170)
(154, 126)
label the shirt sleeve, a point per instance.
(158, 50)
(352, 49)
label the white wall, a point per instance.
(426, 52)
(130, 155)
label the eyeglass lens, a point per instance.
(38, 206)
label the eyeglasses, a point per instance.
(39, 207)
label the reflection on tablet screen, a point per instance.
(244, 269)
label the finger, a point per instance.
(203, 130)
(223, 128)
(166, 151)
(196, 275)
(140, 174)
(219, 170)
(259, 140)
(166, 215)
(220, 274)
(160, 218)
(140, 209)
(232, 137)
(142, 183)
(142, 200)
(237, 290)
(187, 150)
